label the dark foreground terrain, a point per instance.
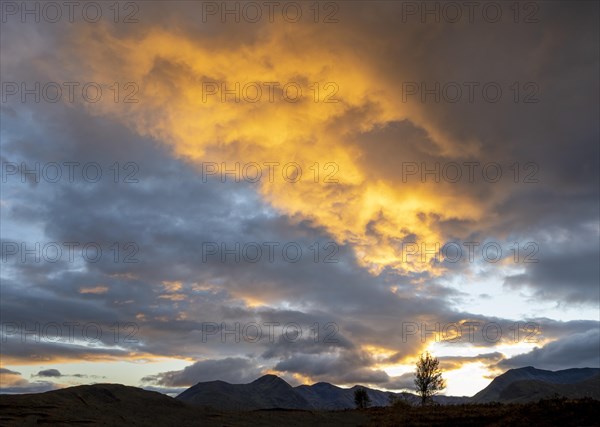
(552, 412)
(115, 405)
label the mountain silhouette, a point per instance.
(270, 392)
(98, 404)
(267, 392)
(328, 396)
(530, 384)
(514, 386)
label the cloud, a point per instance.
(402, 382)
(49, 373)
(576, 351)
(13, 382)
(235, 370)
(94, 290)
(456, 362)
(568, 270)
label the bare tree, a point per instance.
(361, 398)
(428, 377)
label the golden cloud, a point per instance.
(364, 208)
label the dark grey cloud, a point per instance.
(402, 382)
(49, 373)
(235, 370)
(346, 367)
(575, 351)
(568, 274)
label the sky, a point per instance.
(198, 191)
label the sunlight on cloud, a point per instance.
(373, 214)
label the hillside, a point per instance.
(530, 384)
(104, 404)
(266, 392)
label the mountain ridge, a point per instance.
(116, 405)
(513, 386)
(528, 384)
(519, 385)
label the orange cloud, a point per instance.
(97, 290)
(372, 213)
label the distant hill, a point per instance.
(530, 384)
(267, 392)
(98, 404)
(327, 396)
(270, 392)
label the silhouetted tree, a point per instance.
(361, 398)
(428, 377)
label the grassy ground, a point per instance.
(555, 412)
(548, 413)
